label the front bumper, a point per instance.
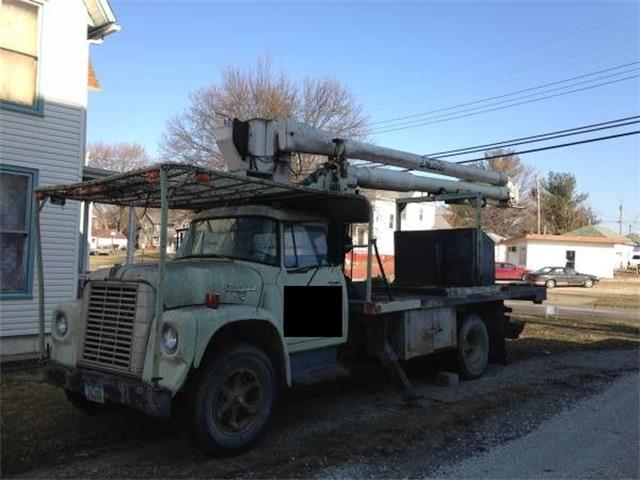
(117, 389)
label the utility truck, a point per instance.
(257, 298)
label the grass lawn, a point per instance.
(141, 256)
(620, 292)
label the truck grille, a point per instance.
(116, 328)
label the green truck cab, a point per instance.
(223, 339)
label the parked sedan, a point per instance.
(509, 271)
(561, 277)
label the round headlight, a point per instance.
(169, 338)
(61, 324)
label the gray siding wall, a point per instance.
(54, 145)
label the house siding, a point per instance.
(53, 144)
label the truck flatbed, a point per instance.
(403, 298)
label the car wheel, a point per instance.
(550, 283)
(523, 277)
(234, 400)
(588, 283)
(473, 347)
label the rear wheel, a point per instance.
(473, 347)
(234, 400)
(550, 283)
(523, 277)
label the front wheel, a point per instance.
(588, 283)
(523, 277)
(550, 283)
(473, 347)
(234, 400)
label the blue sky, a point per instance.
(398, 59)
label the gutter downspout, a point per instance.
(41, 313)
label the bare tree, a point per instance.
(259, 92)
(117, 157)
(503, 221)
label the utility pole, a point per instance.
(538, 200)
(620, 220)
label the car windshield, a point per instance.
(244, 238)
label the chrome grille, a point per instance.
(110, 326)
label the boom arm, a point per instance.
(265, 147)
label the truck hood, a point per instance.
(188, 281)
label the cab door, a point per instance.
(313, 292)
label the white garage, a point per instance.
(593, 255)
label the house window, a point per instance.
(403, 215)
(16, 239)
(391, 221)
(420, 214)
(19, 53)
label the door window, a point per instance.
(571, 259)
(305, 246)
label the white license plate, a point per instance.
(94, 392)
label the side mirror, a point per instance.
(348, 243)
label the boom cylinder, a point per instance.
(298, 137)
(382, 179)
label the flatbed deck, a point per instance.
(401, 298)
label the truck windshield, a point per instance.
(244, 238)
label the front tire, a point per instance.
(473, 347)
(588, 283)
(550, 283)
(234, 400)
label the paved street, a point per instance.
(572, 310)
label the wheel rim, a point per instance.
(588, 283)
(236, 408)
(474, 349)
(551, 283)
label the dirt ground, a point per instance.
(330, 430)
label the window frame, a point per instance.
(32, 175)
(38, 104)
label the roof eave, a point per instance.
(98, 33)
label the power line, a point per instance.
(455, 116)
(482, 100)
(551, 147)
(540, 137)
(516, 51)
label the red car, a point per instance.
(508, 271)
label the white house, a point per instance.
(593, 255)
(109, 238)
(415, 216)
(44, 65)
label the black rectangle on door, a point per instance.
(312, 311)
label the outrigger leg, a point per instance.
(377, 329)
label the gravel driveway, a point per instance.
(597, 439)
(353, 428)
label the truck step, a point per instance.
(319, 374)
